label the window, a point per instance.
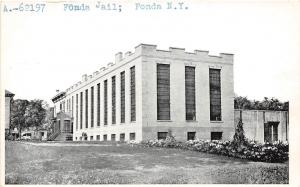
(271, 131)
(76, 111)
(75, 138)
(81, 107)
(122, 137)
(105, 137)
(98, 137)
(162, 135)
(122, 77)
(91, 138)
(92, 106)
(190, 101)
(215, 94)
(86, 108)
(132, 94)
(72, 107)
(132, 136)
(113, 100)
(191, 135)
(105, 102)
(216, 135)
(98, 104)
(163, 91)
(113, 137)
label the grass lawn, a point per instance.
(71, 163)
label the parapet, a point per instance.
(84, 78)
(150, 50)
(181, 53)
(118, 57)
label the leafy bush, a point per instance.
(268, 152)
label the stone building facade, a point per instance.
(8, 99)
(150, 93)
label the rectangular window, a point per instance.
(163, 91)
(216, 135)
(122, 96)
(91, 138)
(98, 104)
(162, 135)
(105, 137)
(122, 137)
(98, 137)
(132, 94)
(190, 100)
(271, 132)
(105, 102)
(72, 107)
(191, 135)
(86, 108)
(215, 94)
(92, 106)
(132, 136)
(81, 108)
(76, 111)
(275, 132)
(113, 100)
(113, 137)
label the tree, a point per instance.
(266, 104)
(26, 113)
(18, 110)
(242, 103)
(35, 114)
(239, 139)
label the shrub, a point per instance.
(268, 152)
(239, 139)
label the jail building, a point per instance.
(148, 94)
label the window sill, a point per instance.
(168, 120)
(191, 121)
(216, 121)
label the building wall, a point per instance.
(7, 112)
(146, 125)
(253, 123)
(178, 59)
(130, 60)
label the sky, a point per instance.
(49, 51)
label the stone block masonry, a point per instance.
(161, 91)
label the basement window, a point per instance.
(132, 136)
(162, 135)
(216, 135)
(113, 137)
(191, 135)
(122, 137)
